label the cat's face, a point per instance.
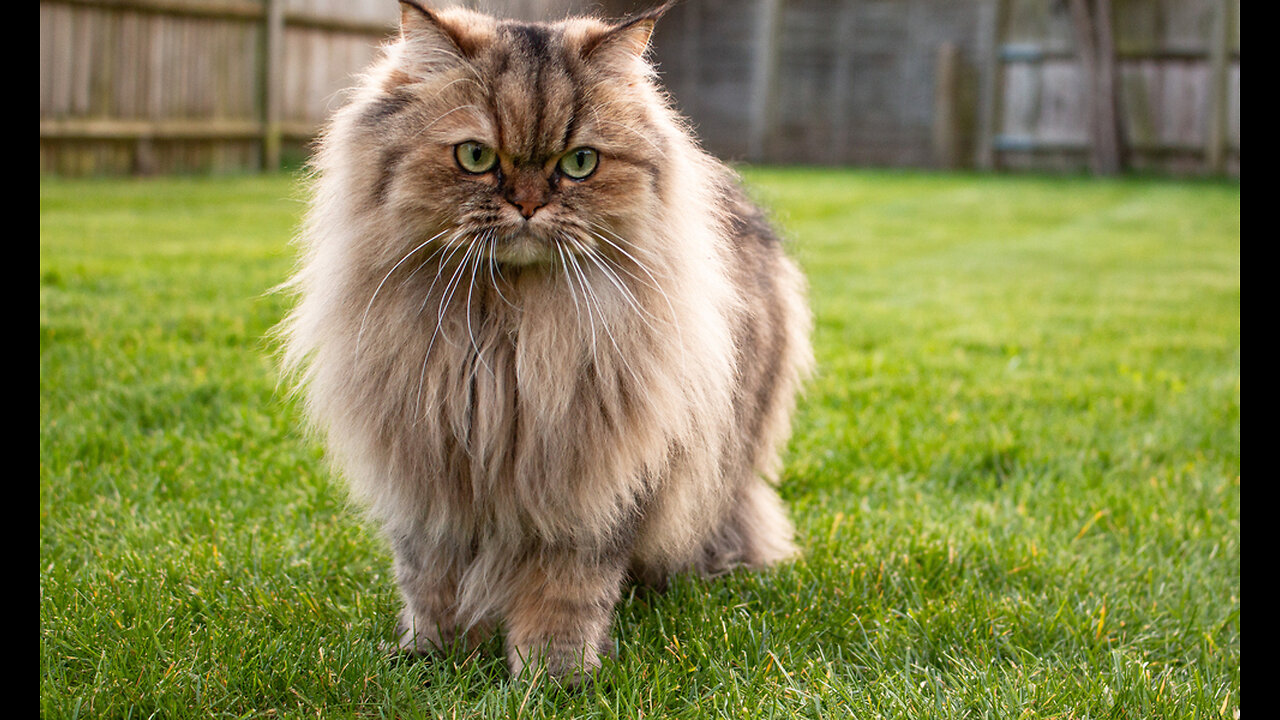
(525, 142)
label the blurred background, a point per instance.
(1108, 86)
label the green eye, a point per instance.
(475, 157)
(579, 163)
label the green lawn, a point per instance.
(1016, 476)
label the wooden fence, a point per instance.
(825, 81)
(179, 85)
(168, 85)
(1179, 87)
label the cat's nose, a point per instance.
(528, 191)
(527, 207)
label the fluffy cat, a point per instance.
(545, 337)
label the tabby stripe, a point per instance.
(387, 164)
(385, 108)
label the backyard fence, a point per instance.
(153, 86)
(1177, 70)
(169, 85)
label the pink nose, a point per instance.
(527, 189)
(528, 207)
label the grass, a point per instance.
(1016, 477)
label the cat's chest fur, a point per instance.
(529, 395)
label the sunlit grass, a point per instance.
(1016, 476)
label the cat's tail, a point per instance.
(756, 533)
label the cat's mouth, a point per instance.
(525, 246)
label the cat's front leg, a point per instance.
(559, 615)
(428, 582)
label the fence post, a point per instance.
(946, 107)
(1215, 151)
(272, 76)
(1094, 44)
(763, 77)
(992, 91)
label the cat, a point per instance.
(545, 336)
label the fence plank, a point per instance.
(1215, 150)
(763, 70)
(992, 91)
(272, 76)
(946, 107)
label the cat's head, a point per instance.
(531, 139)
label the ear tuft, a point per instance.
(441, 30)
(416, 18)
(627, 40)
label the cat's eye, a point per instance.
(579, 163)
(475, 157)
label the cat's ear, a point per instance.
(461, 35)
(626, 41)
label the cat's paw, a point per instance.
(568, 669)
(413, 640)
(422, 638)
(608, 648)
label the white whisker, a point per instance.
(493, 263)
(572, 294)
(444, 115)
(475, 265)
(653, 274)
(653, 281)
(451, 83)
(656, 148)
(459, 60)
(452, 287)
(602, 263)
(586, 302)
(364, 318)
(446, 297)
(604, 321)
(440, 267)
(426, 261)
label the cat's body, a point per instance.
(545, 336)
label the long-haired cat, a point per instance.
(543, 334)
